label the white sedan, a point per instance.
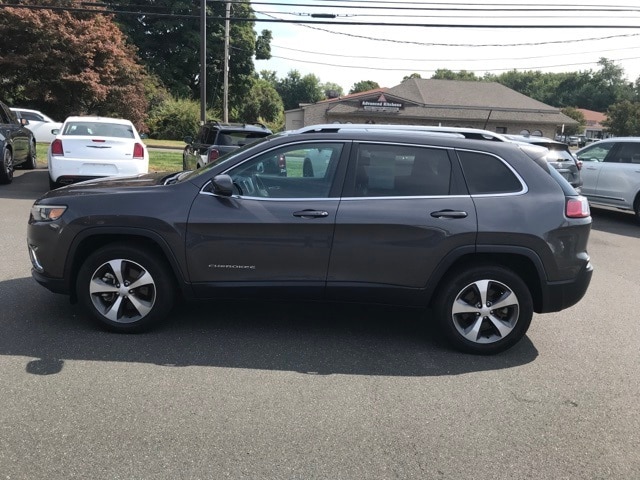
(39, 124)
(86, 148)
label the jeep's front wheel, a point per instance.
(125, 288)
(484, 309)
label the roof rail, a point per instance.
(470, 133)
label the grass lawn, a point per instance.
(159, 161)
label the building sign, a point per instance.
(381, 105)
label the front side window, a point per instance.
(304, 170)
(486, 174)
(401, 171)
(595, 153)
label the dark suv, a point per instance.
(484, 232)
(215, 139)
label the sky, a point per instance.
(347, 54)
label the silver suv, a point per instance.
(611, 173)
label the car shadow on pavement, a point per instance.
(615, 221)
(27, 184)
(315, 339)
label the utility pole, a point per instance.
(203, 62)
(225, 100)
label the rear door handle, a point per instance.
(449, 214)
(311, 214)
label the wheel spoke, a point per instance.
(473, 331)
(98, 286)
(112, 311)
(117, 266)
(507, 300)
(503, 327)
(142, 306)
(483, 289)
(144, 280)
(463, 307)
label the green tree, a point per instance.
(69, 62)
(295, 89)
(413, 75)
(332, 90)
(263, 104)
(174, 119)
(623, 119)
(363, 86)
(445, 74)
(169, 46)
(578, 116)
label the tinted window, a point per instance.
(279, 173)
(625, 153)
(240, 138)
(486, 174)
(398, 171)
(4, 117)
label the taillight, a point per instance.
(577, 207)
(138, 151)
(56, 147)
(213, 155)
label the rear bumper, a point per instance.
(560, 295)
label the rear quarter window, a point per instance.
(486, 174)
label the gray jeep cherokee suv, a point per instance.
(483, 232)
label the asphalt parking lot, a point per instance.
(299, 391)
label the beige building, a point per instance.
(452, 103)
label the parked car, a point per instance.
(484, 232)
(559, 157)
(17, 144)
(41, 125)
(92, 147)
(216, 139)
(611, 173)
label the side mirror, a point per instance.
(222, 185)
(55, 131)
(24, 122)
(188, 139)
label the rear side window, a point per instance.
(628, 152)
(486, 174)
(401, 171)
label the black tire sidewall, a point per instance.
(6, 176)
(32, 160)
(156, 267)
(458, 280)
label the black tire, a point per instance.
(636, 208)
(53, 185)
(476, 326)
(6, 166)
(307, 168)
(104, 290)
(32, 159)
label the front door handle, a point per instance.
(311, 214)
(449, 214)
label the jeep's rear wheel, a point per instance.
(484, 309)
(124, 288)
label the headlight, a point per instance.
(47, 213)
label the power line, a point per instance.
(377, 57)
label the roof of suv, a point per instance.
(251, 127)
(469, 133)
